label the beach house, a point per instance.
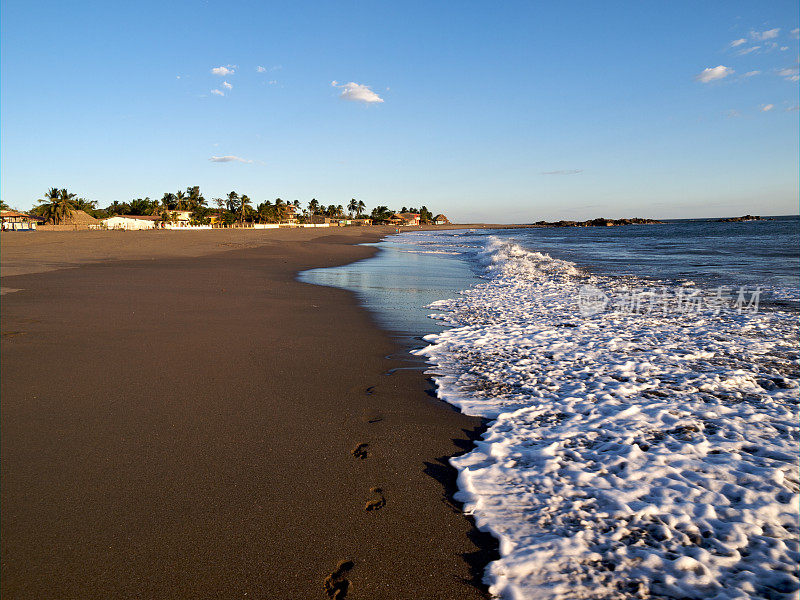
(130, 222)
(395, 219)
(289, 213)
(18, 221)
(409, 218)
(440, 220)
(181, 216)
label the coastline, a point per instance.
(217, 459)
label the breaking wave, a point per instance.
(628, 455)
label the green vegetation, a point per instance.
(58, 205)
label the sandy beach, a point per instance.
(179, 420)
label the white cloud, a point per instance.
(767, 107)
(748, 50)
(227, 85)
(751, 74)
(738, 42)
(273, 81)
(563, 172)
(733, 114)
(793, 108)
(796, 32)
(229, 158)
(790, 74)
(713, 73)
(223, 71)
(218, 92)
(356, 92)
(769, 34)
(260, 69)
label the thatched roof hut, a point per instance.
(78, 220)
(81, 219)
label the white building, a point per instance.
(130, 222)
(18, 221)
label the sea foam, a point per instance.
(628, 455)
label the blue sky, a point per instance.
(494, 112)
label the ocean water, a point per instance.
(399, 284)
(642, 387)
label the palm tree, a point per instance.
(244, 203)
(117, 208)
(264, 211)
(181, 201)
(50, 197)
(194, 197)
(352, 207)
(233, 202)
(200, 215)
(313, 207)
(66, 204)
(141, 207)
(43, 210)
(425, 216)
(280, 209)
(85, 205)
(220, 204)
(169, 201)
(361, 207)
(57, 205)
(381, 213)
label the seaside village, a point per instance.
(61, 210)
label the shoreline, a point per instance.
(178, 483)
(58, 250)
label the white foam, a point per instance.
(630, 456)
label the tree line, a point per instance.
(58, 205)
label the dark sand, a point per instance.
(181, 425)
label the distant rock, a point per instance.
(598, 223)
(740, 219)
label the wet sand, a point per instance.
(182, 425)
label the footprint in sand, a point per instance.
(377, 503)
(336, 584)
(360, 451)
(371, 416)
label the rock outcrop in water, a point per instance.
(597, 223)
